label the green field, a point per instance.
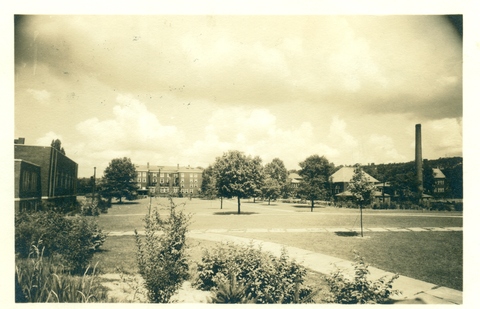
(434, 257)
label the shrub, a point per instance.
(95, 207)
(266, 278)
(161, 255)
(359, 290)
(40, 281)
(232, 292)
(72, 240)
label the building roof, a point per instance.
(167, 169)
(348, 193)
(294, 178)
(345, 174)
(437, 173)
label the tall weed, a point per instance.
(41, 281)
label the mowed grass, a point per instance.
(119, 254)
(435, 257)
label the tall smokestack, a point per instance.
(418, 158)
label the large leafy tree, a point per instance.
(271, 189)
(362, 191)
(57, 144)
(208, 186)
(315, 172)
(119, 179)
(275, 179)
(238, 175)
(276, 170)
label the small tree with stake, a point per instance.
(362, 191)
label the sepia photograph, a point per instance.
(237, 157)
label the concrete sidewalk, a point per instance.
(413, 291)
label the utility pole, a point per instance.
(93, 186)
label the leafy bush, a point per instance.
(40, 281)
(442, 206)
(72, 240)
(161, 255)
(359, 290)
(95, 207)
(266, 278)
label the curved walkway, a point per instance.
(413, 290)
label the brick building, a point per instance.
(28, 190)
(58, 173)
(168, 180)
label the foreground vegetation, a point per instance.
(203, 261)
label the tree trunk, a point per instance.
(361, 221)
(238, 199)
(268, 201)
(221, 202)
(313, 202)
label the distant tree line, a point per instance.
(236, 175)
(402, 177)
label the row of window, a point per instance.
(64, 181)
(163, 175)
(29, 181)
(167, 189)
(154, 181)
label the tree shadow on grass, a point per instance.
(308, 206)
(235, 213)
(347, 234)
(127, 203)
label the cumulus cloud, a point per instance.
(42, 96)
(389, 64)
(132, 127)
(347, 87)
(443, 137)
(47, 139)
(256, 132)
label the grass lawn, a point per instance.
(434, 257)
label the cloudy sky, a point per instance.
(183, 89)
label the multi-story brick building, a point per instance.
(58, 173)
(169, 180)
